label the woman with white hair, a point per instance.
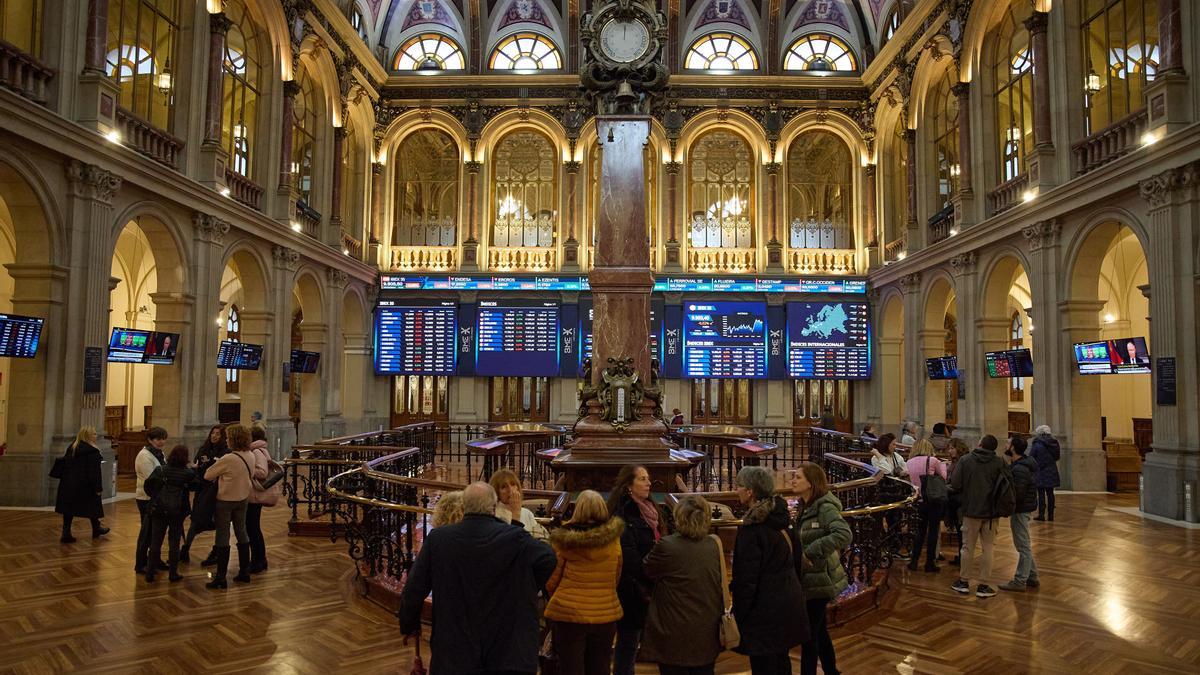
(1045, 451)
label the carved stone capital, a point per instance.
(209, 229)
(571, 166)
(1037, 22)
(337, 278)
(964, 263)
(219, 24)
(475, 167)
(285, 257)
(910, 283)
(961, 91)
(1158, 190)
(1042, 235)
(870, 170)
(772, 168)
(672, 168)
(91, 182)
(372, 294)
(291, 89)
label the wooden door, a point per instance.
(811, 397)
(518, 399)
(721, 401)
(420, 398)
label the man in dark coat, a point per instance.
(974, 478)
(1045, 452)
(80, 487)
(1023, 470)
(485, 576)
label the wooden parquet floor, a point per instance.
(1119, 595)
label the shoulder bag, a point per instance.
(60, 466)
(933, 486)
(730, 636)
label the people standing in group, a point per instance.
(1024, 470)
(149, 458)
(511, 509)
(956, 450)
(80, 487)
(940, 438)
(583, 604)
(168, 508)
(975, 479)
(893, 487)
(232, 473)
(887, 459)
(1045, 452)
(485, 576)
(767, 601)
(213, 448)
(645, 525)
(683, 624)
(821, 536)
(910, 433)
(259, 499)
(923, 466)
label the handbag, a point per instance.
(729, 634)
(933, 486)
(59, 468)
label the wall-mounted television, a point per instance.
(828, 340)
(1120, 356)
(130, 345)
(517, 337)
(1010, 363)
(724, 339)
(942, 368)
(415, 338)
(236, 355)
(20, 335)
(305, 362)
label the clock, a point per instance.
(624, 40)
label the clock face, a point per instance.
(624, 40)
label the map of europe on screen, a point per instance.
(828, 340)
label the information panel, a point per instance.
(1124, 356)
(130, 345)
(239, 355)
(397, 282)
(415, 339)
(517, 337)
(725, 339)
(19, 335)
(942, 368)
(657, 306)
(1011, 363)
(829, 340)
(305, 362)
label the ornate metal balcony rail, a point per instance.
(1008, 194)
(820, 261)
(722, 260)
(503, 259)
(243, 190)
(23, 74)
(146, 139)
(1110, 143)
(437, 258)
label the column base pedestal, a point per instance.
(592, 460)
(1043, 168)
(672, 262)
(470, 256)
(96, 106)
(1168, 102)
(774, 256)
(1166, 475)
(213, 161)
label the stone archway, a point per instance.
(939, 304)
(1004, 402)
(891, 363)
(244, 284)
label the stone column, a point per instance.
(333, 359)
(932, 342)
(991, 331)
(774, 247)
(356, 353)
(315, 387)
(1168, 99)
(256, 387)
(98, 94)
(376, 246)
(914, 363)
(1174, 233)
(964, 199)
(671, 247)
(470, 261)
(971, 368)
(1042, 172)
(287, 122)
(213, 157)
(1083, 463)
(376, 391)
(335, 200)
(96, 40)
(202, 340)
(571, 245)
(174, 384)
(1051, 402)
(910, 222)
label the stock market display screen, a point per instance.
(19, 335)
(1010, 363)
(517, 337)
(829, 340)
(415, 339)
(725, 339)
(239, 355)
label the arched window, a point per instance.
(233, 331)
(427, 166)
(429, 52)
(304, 143)
(721, 168)
(242, 68)
(21, 25)
(141, 41)
(943, 113)
(525, 52)
(1016, 340)
(819, 53)
(820, 192)
(525, 190)
(895, 195)
(890, 26)
(1012, 68)
(357, 22)
(1120, 55)
(721, 51)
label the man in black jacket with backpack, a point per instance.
(983, 483)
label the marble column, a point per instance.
(774, 247)
(964, 198)
(910, 221)
(335, 199)
(218, 28)
(291, 89)
(869, 197)
(1173, 199)
(1170, 37)
(96, 39)
(97, 94)
(470, 249)
(377, 254)
(671, 246)
(1041, 165)
(1169, 98)
(571, 244)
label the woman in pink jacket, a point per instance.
(922, 463)
(232, 473)
(259, 499)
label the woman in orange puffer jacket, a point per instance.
(583, 602)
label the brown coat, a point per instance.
(583, 587)
(682, 628)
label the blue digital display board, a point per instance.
(829, 340)
(517, 337)
(942, 368)
(235, 355)
(19, 335)
(415, 339)
(725, 339)
(397, 282)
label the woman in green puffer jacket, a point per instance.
(821, 534)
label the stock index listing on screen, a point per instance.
(725, 339)
(517, 337)
(414, 339)
(829, 340)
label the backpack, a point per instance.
(169, 499)
(1003, 497)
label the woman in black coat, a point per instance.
(767, 601)
(79, 488)
(645, 524)
(213, 448)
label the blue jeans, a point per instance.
(1026, 567)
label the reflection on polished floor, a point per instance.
(1119, 595)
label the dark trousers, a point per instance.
(160, 525)
(927, 532)
(664, 669)
(231, 513)
(67, 525)
(1045, 502)
(583, 648)
(258, 545)
(820, 645)
(143, 541)
(771, 664)
(629, 638)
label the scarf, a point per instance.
(649, 514)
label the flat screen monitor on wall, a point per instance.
(517, 337)
(20, 335)
(239, 355)
(1120, 356)
(725, 339)
(1010, 363)
(828, 340)
(415, 338)
(130, 345)
(305, 362)
(942, 368)
(160, 348)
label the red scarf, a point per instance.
(649, 513)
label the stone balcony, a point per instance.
(243, 190)
(522, 259)
(1008, 194)
(722, 260)
(423, 258)
(835, 261)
